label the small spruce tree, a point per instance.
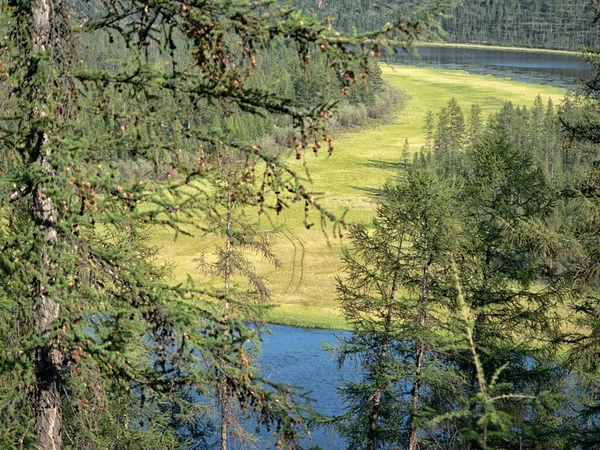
(393, 300)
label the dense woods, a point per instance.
(562, 24)
(473, 295)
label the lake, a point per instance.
(556, 69)
(296, 356)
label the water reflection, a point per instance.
(556, 69)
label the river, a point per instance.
(296, 356)
(550, 68)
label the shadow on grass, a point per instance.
(384, 165)
(373, 193)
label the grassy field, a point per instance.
(304, 287)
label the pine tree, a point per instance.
(429, 129)
(391, 297)
(506, 203)
(475, 124)
(539, 144)
(405, 152)
(449, 139)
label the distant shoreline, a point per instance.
(495, 47)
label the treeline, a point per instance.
(473, 296)
(565, 24)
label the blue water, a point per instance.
(296, 356)
(555, 69)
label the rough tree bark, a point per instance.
(49, 359)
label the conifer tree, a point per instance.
(429, 130)
(449, 137)
(405, 152)
(506, 203)
(542, 132)
(475, 124)
(228, 220)
(579, 116)
(391, 297)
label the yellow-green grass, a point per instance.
(496, 47)
(304, 286)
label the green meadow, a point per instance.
(303, 288)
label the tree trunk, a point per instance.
(382, 357)
(49, 358)
(224, 400)
(415, 394)
(223, 394)
(377, 398)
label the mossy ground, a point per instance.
(303, 288)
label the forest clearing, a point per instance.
(363, 160)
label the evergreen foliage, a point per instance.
(579, 119)
(551, 24)
(506, 202)
(479, 271)
(500, 309)
(524, 259)
(391, 298)
(449, 137)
